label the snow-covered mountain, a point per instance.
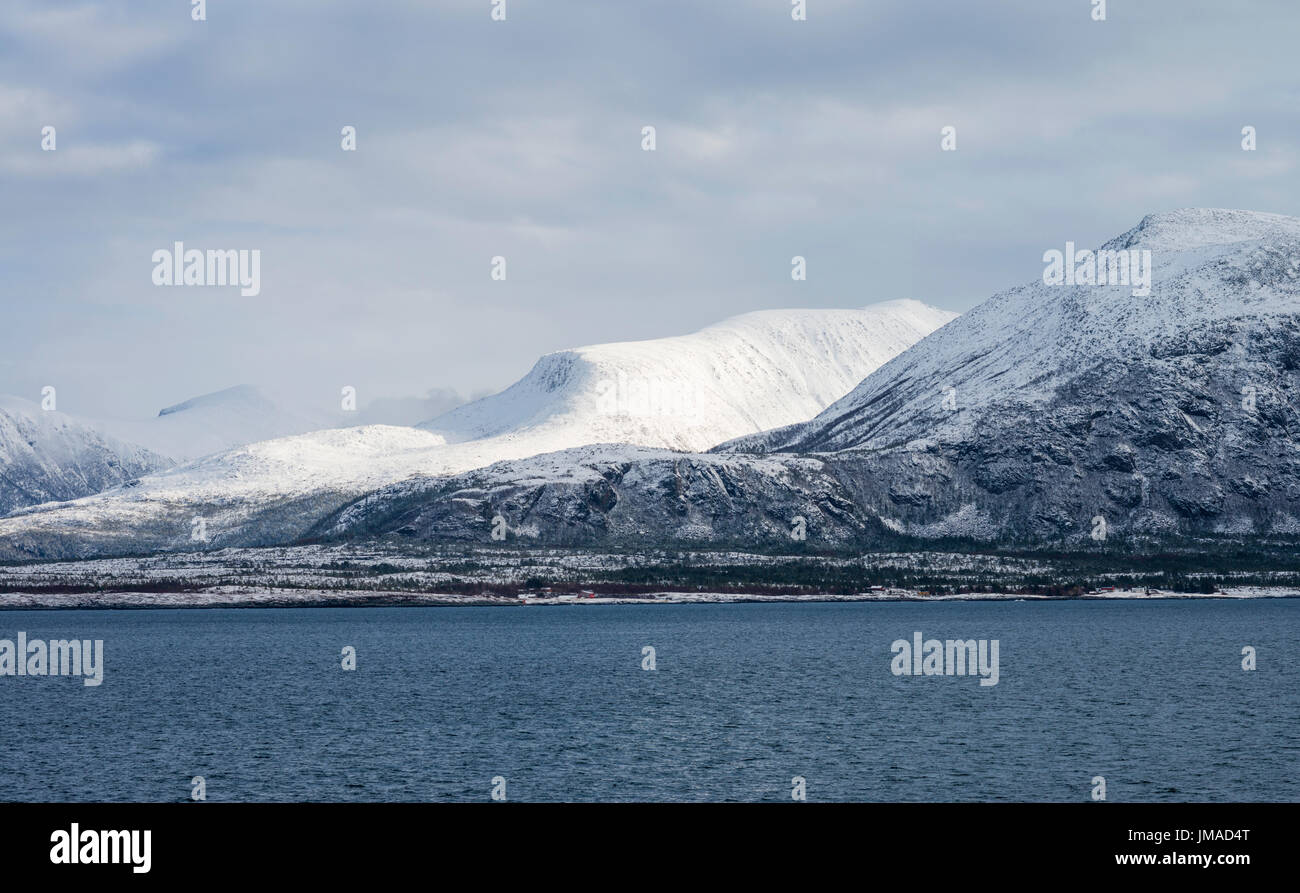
(53, 457)
(47, 456)
(1216, 271)
(754, 371)
(749, 373)
(1050, 413)
(218, 421)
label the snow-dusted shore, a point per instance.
(242, 597)
(389, 574)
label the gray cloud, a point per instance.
(521, 139)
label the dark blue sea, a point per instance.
(1149, 695)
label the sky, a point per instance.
(523, 139)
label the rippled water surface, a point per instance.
(1150, 695)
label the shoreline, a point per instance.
(272, 598)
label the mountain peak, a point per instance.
(47, 456)
(689, 392)
(239, 395)
(741, 375)
(1051, 413)
(1213, 269)
(1186, 228)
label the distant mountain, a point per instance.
(218, 421)
(1049, 414)
(754, 371)
(46, 456)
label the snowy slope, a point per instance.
(756, 370)
(263, 492)
(46, 456)
(1077, 414)
(1019, 347)
(218, 421)
(748, 373)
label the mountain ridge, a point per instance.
(48, 456)
(1049, 414)
(274, 490)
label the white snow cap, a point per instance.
(1208, 265)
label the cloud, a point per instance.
(411, 410)
(523, 139)
(82, 160)
(94, 38)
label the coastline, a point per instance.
(239, 597)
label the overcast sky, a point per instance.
(523, 139)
